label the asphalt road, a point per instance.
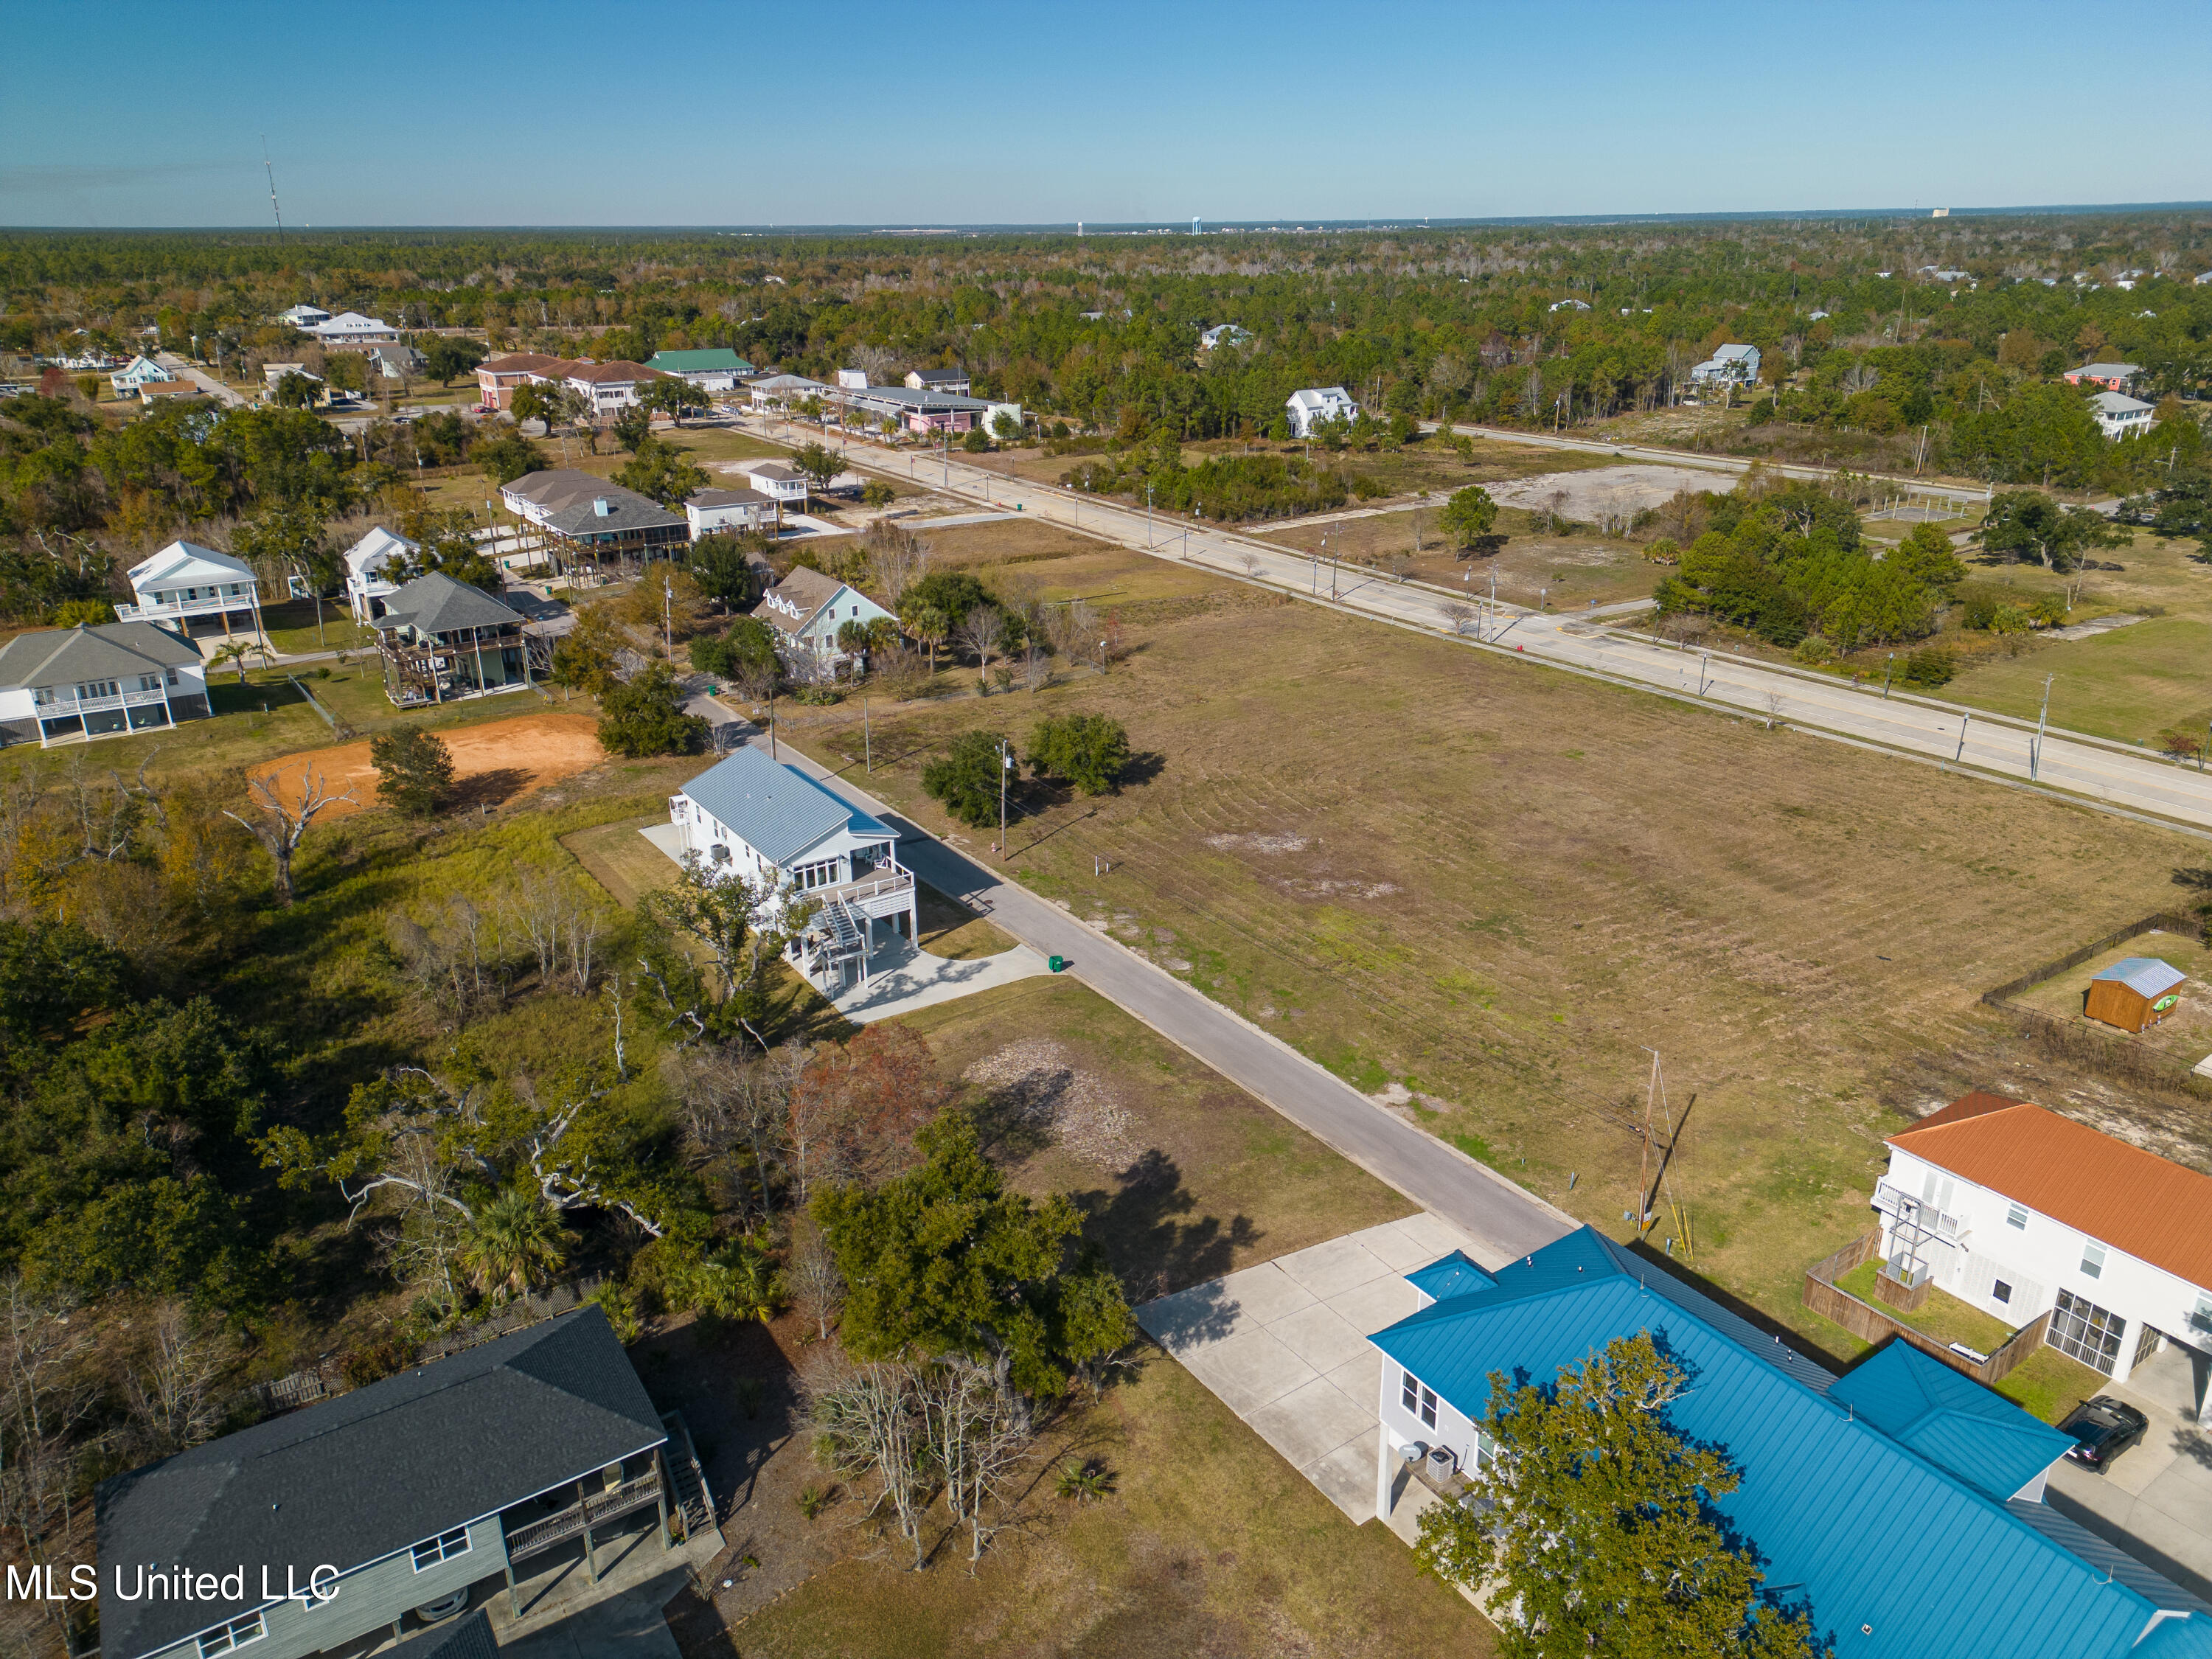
(1474, 1198)
(207, 383)
(2091, 769)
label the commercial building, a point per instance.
(718, 370)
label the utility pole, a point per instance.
(668, 615)
(1148, 518)
(1006, 765)
(2035, 755)
(867, 738)
(1887, 668)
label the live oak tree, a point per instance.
(946, 1259)
(671, 397)
(819, 464)
(742, 935)
(966, 778)
(644, 715)
(1090, 751)
(659, 469)
(2033, 527)
(1603, 1543)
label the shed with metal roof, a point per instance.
(2133, 993)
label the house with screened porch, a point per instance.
(2021, 1213)
(808, 853)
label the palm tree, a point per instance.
(517, 1240)
(929, 626)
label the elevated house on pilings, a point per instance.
(441, 640)
(348, 1525)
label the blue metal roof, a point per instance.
(777, 812)
(1449, 1276)
(2145, 976)
(1895, 1555)
(1950, 1419)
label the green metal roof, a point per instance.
(694, 362)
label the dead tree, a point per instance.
(287, 822)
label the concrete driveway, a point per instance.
(1284, 1345)
(2156, 1504)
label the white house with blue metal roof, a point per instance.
(799, 846)
(1899, 1505)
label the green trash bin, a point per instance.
(1057, 964)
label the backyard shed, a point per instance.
(2135, 992)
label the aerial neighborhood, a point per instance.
(915, 924)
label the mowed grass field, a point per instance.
(1499, 886)
(2131, 683)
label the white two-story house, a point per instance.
(104, 680)
(1738, 364)
(1317, 405)
(375, 567)
(2020, 1211)
(808, 609)
(798, 845)
(186, 584)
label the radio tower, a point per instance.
(268, 167)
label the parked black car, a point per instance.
(2102, 1428)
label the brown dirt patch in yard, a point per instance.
(494, 762)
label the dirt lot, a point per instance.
(494, 762)
(1561, 572)
(1590, 492)
(1495, 885)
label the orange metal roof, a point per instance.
(2121, 1195)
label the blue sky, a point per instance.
(115, 112)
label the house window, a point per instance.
(444, 1547)
(2093, 1261)
(2200, 1318)
(229, 1639)
(1429, 1406)
(97, 689)
(1486, 1453)
(2016, 1218)
(2000, 1291)
(2084, 1331)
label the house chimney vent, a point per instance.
(599, 506)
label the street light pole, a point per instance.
(2035, 757)
(1887, 668)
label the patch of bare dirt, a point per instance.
(1036, 1083)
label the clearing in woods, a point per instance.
(1485, 887)
(492, 763)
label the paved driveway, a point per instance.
(2156, 1504)
(1284, 1345)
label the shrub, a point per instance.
(746, 653)
(1364, 487)
(877, 493)
(1083, 1481)
(1814, 650)
(1931, 664)
(620, 1309)
(2182, 746)
(70, 613)
(1663, 551)
(977, 440)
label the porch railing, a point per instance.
(536, 1535)
(60, 707)
(206, 607)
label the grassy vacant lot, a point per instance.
(1210, 1543)
(1565, 572)
(2132, 682)
(1499, 885)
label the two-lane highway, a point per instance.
(2095, 770)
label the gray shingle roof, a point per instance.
(352, 1480)
(558, 486)
(102, 651)
(774, 810)
(797, 599)
(436, 603)
(626, 510)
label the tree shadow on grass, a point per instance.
(1151, 1233)
(494, 788)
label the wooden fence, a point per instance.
(2119, 1060)
(1872, 1324)
(2166, 921)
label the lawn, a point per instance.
(950, 929)
(1499, 886)
(1942, 1315)
(293, 631)
(1559, 572)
